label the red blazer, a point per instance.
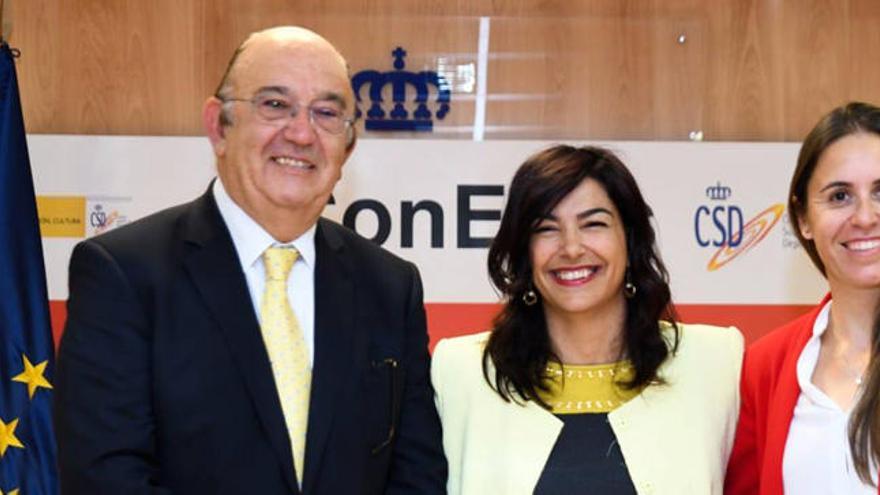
(768, 392)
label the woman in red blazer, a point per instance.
(810, 412)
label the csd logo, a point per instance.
(719, 225)
(725, 229)
(98, 217)
(723, 226)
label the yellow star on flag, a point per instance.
(13, 492)
(7, 436)
(33, 377)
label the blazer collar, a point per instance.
(784, 395)
(337, 339)
(529, 439)
(213, 265)
(524, 436)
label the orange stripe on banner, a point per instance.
(754, 320)
(451, 319)
(57, 316)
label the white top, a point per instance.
(250, 240)
(817, 458)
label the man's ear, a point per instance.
(350, 139)
(214, 128)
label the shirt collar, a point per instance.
(821, 322)
(250, 239)
(806, 363)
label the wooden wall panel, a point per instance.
(127, 67)
(743, 63)
(597, 69)
(817, 52)
(680, 44)
(863, 71)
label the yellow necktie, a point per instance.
(287, 350)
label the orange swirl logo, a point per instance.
(751, 234)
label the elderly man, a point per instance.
(239, 343)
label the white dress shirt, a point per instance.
(817, 459)
(250, 240)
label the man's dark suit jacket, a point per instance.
(164, 386)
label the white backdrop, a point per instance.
(126, 178)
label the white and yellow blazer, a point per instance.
(675, 437)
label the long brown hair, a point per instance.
(852, 118)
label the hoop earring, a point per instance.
(529, 297)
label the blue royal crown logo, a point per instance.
(718, 192)
(399, 119)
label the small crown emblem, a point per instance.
(718, 192)
(98, 218)
(399, 119)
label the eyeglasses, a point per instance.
(276, 109)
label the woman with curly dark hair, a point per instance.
(585, 384)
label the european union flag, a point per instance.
(27, 444)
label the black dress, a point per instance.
(586, 458)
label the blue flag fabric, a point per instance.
(27, 444)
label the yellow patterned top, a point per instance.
(588, 388)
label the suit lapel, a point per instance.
(528, 435)
(335, 343)
(784, 399)
(214, 267)
(524, 435)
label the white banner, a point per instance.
(719, 207)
